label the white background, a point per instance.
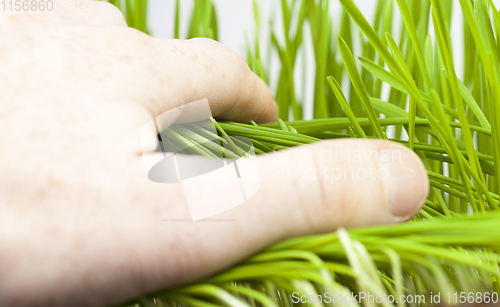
(235, 18)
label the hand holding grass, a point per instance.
(80, 221)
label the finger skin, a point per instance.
(147, 242)
(207, 69)
(166, 72)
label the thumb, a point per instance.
(343, 183)
(305, 190)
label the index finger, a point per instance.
(202, 68)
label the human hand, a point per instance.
(80, 223)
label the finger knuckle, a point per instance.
(132, 42)
(225, 57)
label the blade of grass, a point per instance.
(357, 82)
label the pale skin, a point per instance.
(81, 224)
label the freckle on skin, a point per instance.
(55, 183)
(40, 195)
(52, 231)
(125, 58)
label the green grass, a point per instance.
(452, 122)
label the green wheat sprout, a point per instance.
(452, 123)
